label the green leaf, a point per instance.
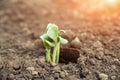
(52, 31)
(63, 41)
(46, 45)
(48, 26)
(44, 37)
(51, 44)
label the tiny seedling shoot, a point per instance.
(52, 40)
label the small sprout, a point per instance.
(52, 39)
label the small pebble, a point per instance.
(103, 76)
(113, 77)
(30, 68)
(69, 35)
(56, 75)
(34, 72)
(66, 73)
(42, 60)
(99, 55)
(62, 74)
(53, 64)
(16, 66)
(98, 44)
(92, 61)
(75, 43)
(113, 67)
(11, 76)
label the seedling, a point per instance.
(52, 39)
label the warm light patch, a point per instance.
(111, 1)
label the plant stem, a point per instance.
(58, 52)
(54, 54)
(48, 57)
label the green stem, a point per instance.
(58, 53)
(54, 53)
(48, 57)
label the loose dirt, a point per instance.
(22, 55)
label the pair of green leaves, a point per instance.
(52, 36)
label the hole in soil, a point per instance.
(69, 55)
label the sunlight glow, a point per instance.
(111, 1)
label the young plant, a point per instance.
(52, 39)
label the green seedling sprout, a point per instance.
(52, 39)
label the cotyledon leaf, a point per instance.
(52, 32)
(51, 44)
(62, 40)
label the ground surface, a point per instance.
(21, 52)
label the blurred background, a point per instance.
(96, 16)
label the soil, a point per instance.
(96, 37)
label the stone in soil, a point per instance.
(113, 77)
(30, 68)
(56, 75)
(103, 76)
(99, 55)
(62, 74)
(11, 76)
(57, 69)
(69, 35)
(34, 72)
(53, 64)
(75, 43)
(16, 66)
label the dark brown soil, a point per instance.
(22, 56)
